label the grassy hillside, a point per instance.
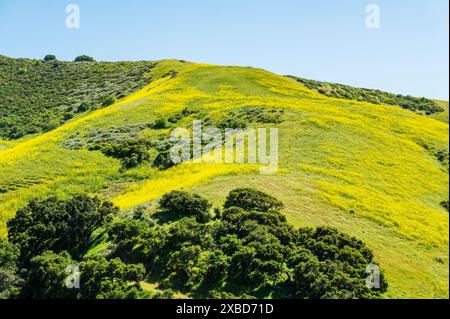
(441, 116)
(369, 170)
(38, 96)
(420, 105)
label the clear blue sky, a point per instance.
(320, 39)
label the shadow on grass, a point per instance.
(163, 217)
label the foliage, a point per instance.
(408, 102)
(58, 225)
(131, 153)
(161, 123)
(443, 157)
(47, 278)
(38, 96)
(184, 203)
(10, 280)
(110, 279)
(50, 57)
(109, 101)
(249, 114)
(251, 199)
(245, 253)
(354, 166)
(84, 58)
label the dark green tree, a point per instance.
(58, 225)
(252, 199)
(185, 203)
(50, 57)
(10, 280)
(84, 58)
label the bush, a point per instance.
(109, 101)
(252, 199)
(161, 123)
(84, 58)
(185, 203)
(163, 160)
(10, 281)
(50, 57)
(131, 153)
(58, 225)
(101, 278)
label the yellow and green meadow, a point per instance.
(365, 169)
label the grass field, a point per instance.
(366, 169)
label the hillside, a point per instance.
(370, 170)
(38, 96)
(419, 105)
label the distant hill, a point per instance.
(420, 105)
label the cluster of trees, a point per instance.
(47, 237)
(246, 249)
(81, 58)
(39, 95)
(341, 91)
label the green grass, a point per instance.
(357, 166)
(441, 116)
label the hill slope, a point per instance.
(38, 96)
(367, 169)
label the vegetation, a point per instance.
(57, 225)
(242, 252)
(341, 91)
(84, 58)
(38, 96)
(186, 204)
(354, 166)
(250, 199)
(50, 57)
(10, 280)
(101, 278)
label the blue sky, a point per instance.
(321, 39)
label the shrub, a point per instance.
(163, 160)
(84, 58)
(50, 57)
(185, 203)
(58, 225)
(161, 123)
(10, 281)
(131, 153)
(109, 101)
(252, 199)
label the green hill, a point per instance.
(38, 96)
(373, 171)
